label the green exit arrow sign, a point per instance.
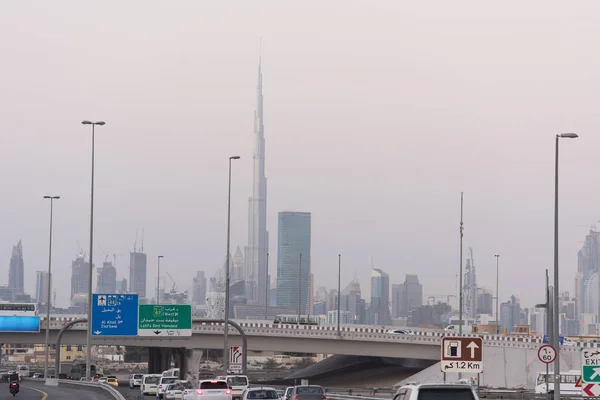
(590, 373)
(172, 320)
(590, 365)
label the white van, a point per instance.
(173, 372)
(149, 384)
(453, 329)
(237, 384)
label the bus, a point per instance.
(293, 319)
(568, 382)
(19, 309)
(79, 369)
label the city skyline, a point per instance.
(376, 144)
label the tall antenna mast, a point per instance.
(460, 302)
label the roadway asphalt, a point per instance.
(133, 394)
(31, 390)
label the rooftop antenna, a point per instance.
(142, 246)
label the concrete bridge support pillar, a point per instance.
(193, 359)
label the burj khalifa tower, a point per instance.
(258, 237)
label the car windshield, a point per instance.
(138, 376)
(237, 381)
(309, 390)
(262, 394)
(445, 394)
(213, 385)
(111, 380)
(152, 380)
(168, 380)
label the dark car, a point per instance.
(63, 376)
(311, 392)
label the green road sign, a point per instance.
(590, 373)
(173, 320)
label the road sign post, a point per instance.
(547, 354)
(462, 354)
(172, 320)
(235, 358)
(114, 314)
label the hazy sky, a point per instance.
(377, 115)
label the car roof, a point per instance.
(438, 386)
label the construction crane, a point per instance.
(174, 289)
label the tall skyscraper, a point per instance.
(137, 273)
(80, 275)
(16, 270)
(258, 237)
(379, 310)
(470, 287)
(41, 287)
(199, 289)
(406, 296)
(107, 279)
(293, 274)
(510, 314)
(237, 272)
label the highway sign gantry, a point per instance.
(114, 314)
(173, 320)
(235, 358)
(590, 366)
(547, 354)
(462, 354)
(19, 324)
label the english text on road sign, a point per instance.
(590, 366)
(173, 320)
(590, 390)
(114, 314)
(547, 354)
(235, 357)
(462, 354)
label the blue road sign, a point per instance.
(561, 339)
(114, 315)
(13, 323)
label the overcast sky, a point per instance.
(377, 115)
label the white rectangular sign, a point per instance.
(235, 357)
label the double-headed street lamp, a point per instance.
(556, 309)
(88, 342)
(49, 288)
(226, 335)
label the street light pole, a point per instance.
(339, 293)
(267, 291)
(299, 288)
(460, 289)
(226, 335)
(49, 298)
(88, 342)
(556, 290)
(158, 281)
(497, 297)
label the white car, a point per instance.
(135, 380)
(162, 385)
(237, 384)
(436, 390)
(174, 391)
(209, 390)
(262, 393)
(400, 332)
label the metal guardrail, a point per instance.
(114, 392)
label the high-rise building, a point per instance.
(258, 237)
(16, 270)
(510, 314)
(485, 302)
(379, 309)
(293, 260)
(80, 275)
(406, 296)
(237, 272)
(311, 291)
(470, 287)
(587, 280)
(107, 278)
(351, 301)
(137, 273)
(199, 289)
(41, 287)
